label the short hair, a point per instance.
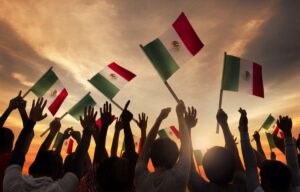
(6, 140)
(114, 174)
(47, 163)
(275, 176)
(164, 153)
(68, 164)
(218, 164)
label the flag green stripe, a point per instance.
(44, 83)
(162, 134)
(231, 73)
(270, 140)
(78, 109)
(57, 139)
(161, 59)
(268, 122)
(198, 156)
(104, 86)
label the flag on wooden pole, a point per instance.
(78, 108)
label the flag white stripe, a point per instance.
(246, 76)
(118, 81)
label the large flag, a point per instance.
(111, 79)
(170, 132)
(50, 87)
(175, 47)
(270, 140)
(268, 122)
(78, 109)
(243, 76)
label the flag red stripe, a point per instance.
(258, 87)
(275, 132)
(175, 131)
(55, 105)
(70, 146)
(187, 34)
(122, 71)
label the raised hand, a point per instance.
(191, 117)
(256, 136)
(164, 113)
(17, 102)
(222, 117)
(285, 124)
(55, 125)
(118, 125)
(106, 116)
(143, 121)
(298, 142)
(88, 121)
(243, 124)
(126, 115)
(180, 108)
(67, 133)
(36, 112)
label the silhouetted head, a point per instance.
(275, 176)
(86, 165)
(6, 140)
(218, 164)
(164, 153)
(298, 160)
(115, 175)
(47, 163)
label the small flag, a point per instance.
(268, 122)
(111, 79)
(276, 131)
(170, 132)
(176, 46)
(78, 109)
(198, 156)
(242, 76)
(59, 137)
(270, 140)
(70, 146)
(50, 87)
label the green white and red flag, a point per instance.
(111, 79)
(70, 146)
(243, 76)
(270, 140)
(50, 87)
(173, 48)
(269, 122)
(170, 132)
(276, 131)
(78, 109)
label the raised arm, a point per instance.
(115, 142)
(229, 140)
(142, 123)
(25, 137)
(285, 124)
(88, 122)
(66, 135)
(107, 119)
(259, 148)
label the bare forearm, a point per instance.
(292, 160)
(46, 144)
(260, 149)
(114, 147)
(59, 145)
(129, 142)
(4, 117)
(100, 151)
(24, 116)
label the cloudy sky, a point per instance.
(80, 37)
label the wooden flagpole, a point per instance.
(27, 92)
(171, 91)
(221, 94)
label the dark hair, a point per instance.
(164, 153)
(218, 164)
(47, 163)
(84, 169)
(275, 176)
(115, 175)
(6, 140)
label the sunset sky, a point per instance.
(80, 37)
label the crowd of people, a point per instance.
(174, 168)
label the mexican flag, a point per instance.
(111, 79)
(170, 132)
(70, 146)
(243, 76)
(270, 140)
(50, 87)
(268, 122)
(78, 109)
(276, 131)
(173, 48)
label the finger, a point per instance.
(109, 108)
(33, 104)
(44, 116)
(85, 112)
(189, 110)
(127, 104)
(20, 94)
(80, 118)
(44, 104)
(147, 119)
(140, 117)
(95, 115)
(101, 112)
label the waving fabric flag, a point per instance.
(111, 79)
(270, 140)
(268, 122)
(243, 76)
(78, 109)
(50, 87)
(176, 46)
(170, 132)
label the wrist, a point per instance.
(287, 133)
